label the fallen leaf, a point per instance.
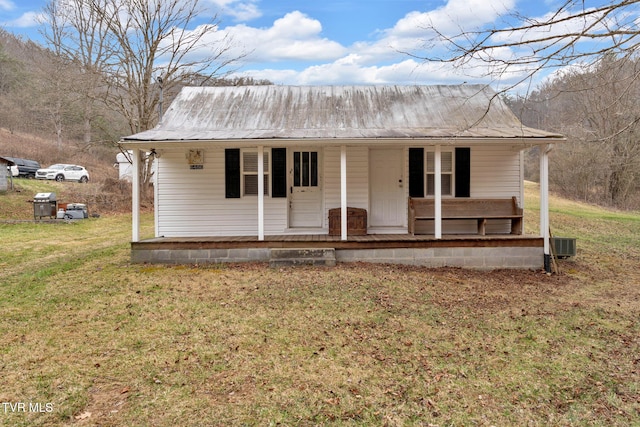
(83, 416)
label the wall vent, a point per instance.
(564, 247)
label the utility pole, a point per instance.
(159, 79)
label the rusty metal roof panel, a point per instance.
(337, 112)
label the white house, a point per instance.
(244, 170)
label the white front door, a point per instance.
(305, 190)
(388, 204)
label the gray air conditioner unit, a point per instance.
(564, 247)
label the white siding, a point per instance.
(193, 203)
(357, 179)
(495, 172)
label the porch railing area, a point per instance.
(459, 209)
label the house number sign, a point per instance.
(196, 159)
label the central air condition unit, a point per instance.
(564, 247)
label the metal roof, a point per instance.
(10, 160)
(337, 112)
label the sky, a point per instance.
(334, 42)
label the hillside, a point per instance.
(104, 192)
(98, 160)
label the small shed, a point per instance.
(6, 178)
(124, 163)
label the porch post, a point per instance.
(135, 196)
(438, 192)
(260, 192)
(343, 192)
(544, 203)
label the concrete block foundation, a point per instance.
(482, 258)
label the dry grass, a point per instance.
(109, 343)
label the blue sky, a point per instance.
(334, 41)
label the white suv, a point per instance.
(64, 172)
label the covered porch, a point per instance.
(436, 248)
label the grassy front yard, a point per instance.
(89, 339)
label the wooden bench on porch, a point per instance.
(480, 210)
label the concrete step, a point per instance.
(280, 257)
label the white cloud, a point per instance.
(27, 20)
(239, 10)
(292, 37)
(296, 39)
(564, 25)
(451, 18)
(7, 5)
(412, 33)
(245, 12)
(348, 71)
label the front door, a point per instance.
(388, 204)
(305, 191)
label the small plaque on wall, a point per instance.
(195, 158)
(196, 167)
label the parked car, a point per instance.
(64, 172)
(26, 168)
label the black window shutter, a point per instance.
(278, 172)
(416, 172)
(463, 172)
(232, 173)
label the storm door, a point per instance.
(388, 202)
(305, 191)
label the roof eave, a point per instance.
(523, 141)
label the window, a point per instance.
(455, 172)
(305, 168)
(241, 173)
(250, 173)
(446, 164)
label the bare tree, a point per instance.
(598, 111)
(154, 47)
(126, 51)
(10, 71)
(526, 46)
(12, 76)
(79, 39)
(593, 97)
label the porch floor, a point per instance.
(369, 241)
